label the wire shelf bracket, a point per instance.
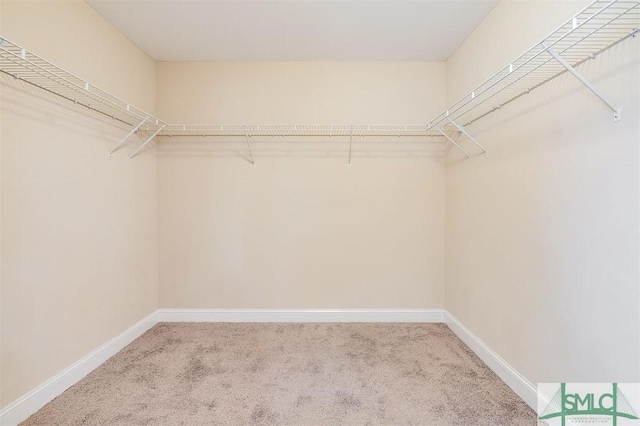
(141, 147)
(464, 132)
(350, 144)
(453, 141)
(583, 80)
(247, 136)
(133, 130)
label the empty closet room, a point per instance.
(319, 212)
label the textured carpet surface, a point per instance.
(255, 374)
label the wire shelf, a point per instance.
(25, 66)
(32, 69)
(596, 28)
(301, 130)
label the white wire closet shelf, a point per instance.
(598, 27)
(30, 68)
(316, 130)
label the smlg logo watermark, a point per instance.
(567, 404)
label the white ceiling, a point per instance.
(296, 30)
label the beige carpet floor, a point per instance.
(292, 374)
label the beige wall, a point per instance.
(542, 235)
(79, 255)
(301, 229)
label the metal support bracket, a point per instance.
(147, 142)
(350, 143)
(453, 142)
(588, 85)
(133, 130)
(463, 131)
(246, 135)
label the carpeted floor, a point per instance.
(311, 374)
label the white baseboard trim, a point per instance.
(300, 315)
(516, 381)
(21, 409)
